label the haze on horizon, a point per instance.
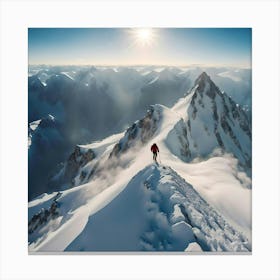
(140, 46)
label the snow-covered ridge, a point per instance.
(190, 218)
(157, 211)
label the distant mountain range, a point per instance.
(91, 103)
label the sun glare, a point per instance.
(143, 36)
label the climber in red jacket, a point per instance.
(154, 150)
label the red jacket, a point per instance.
(154, 148)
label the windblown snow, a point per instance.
(112, 197)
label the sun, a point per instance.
(143, 36)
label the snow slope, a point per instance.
(158, 211)
(123, 203)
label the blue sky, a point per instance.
(133, 46)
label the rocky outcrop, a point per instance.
(141, 131)
(75, 161)
(43, 216)
(71, 168)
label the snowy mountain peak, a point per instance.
(214, 116)
(203, 77)
(204, 85)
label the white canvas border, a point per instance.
(17, 16)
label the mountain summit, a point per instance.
(212, 121)
(203, 77)
(205, 84)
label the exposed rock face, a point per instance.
(78, 159)
(43, 216)
(141, 131)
